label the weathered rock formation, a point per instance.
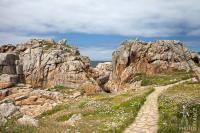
(47, 63)
(135, 57)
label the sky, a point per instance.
(97, 27)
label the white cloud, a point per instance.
(97, 53)
(14, 38)
(125, 17)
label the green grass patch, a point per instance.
(82, 104)
(163, 79)
(64, 90)
(57, 88)
(64, 117)
(179, 109)
(54, 110)
(117, 117)
(48, 46)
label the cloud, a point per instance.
(97, 53)
(21, 20)
(14, 38)
(147, 18)
(195, 32)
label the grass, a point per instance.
(164, 78)
(64, 90)
(178, 99)
(13, 127)
(63, 118)
(48, 46)
(58, 88)
(117, 116)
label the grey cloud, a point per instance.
(125, 17)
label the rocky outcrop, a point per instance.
(47, 63)
(134, 57)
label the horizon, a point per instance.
(96, 29)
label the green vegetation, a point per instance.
(48, 46)
(179, 109)
(64, 90)
(57, 88)
(164, 78)
(100, 113)
(64, 117)
(116, 114)
(54, 110)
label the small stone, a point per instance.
(28, 120)
(76, 95)
(73, 119)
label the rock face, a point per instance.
(47, 63)
(103, 71)
(135, 57)
(10, 69)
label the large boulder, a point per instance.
(135, 57)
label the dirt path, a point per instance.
(147, 118)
